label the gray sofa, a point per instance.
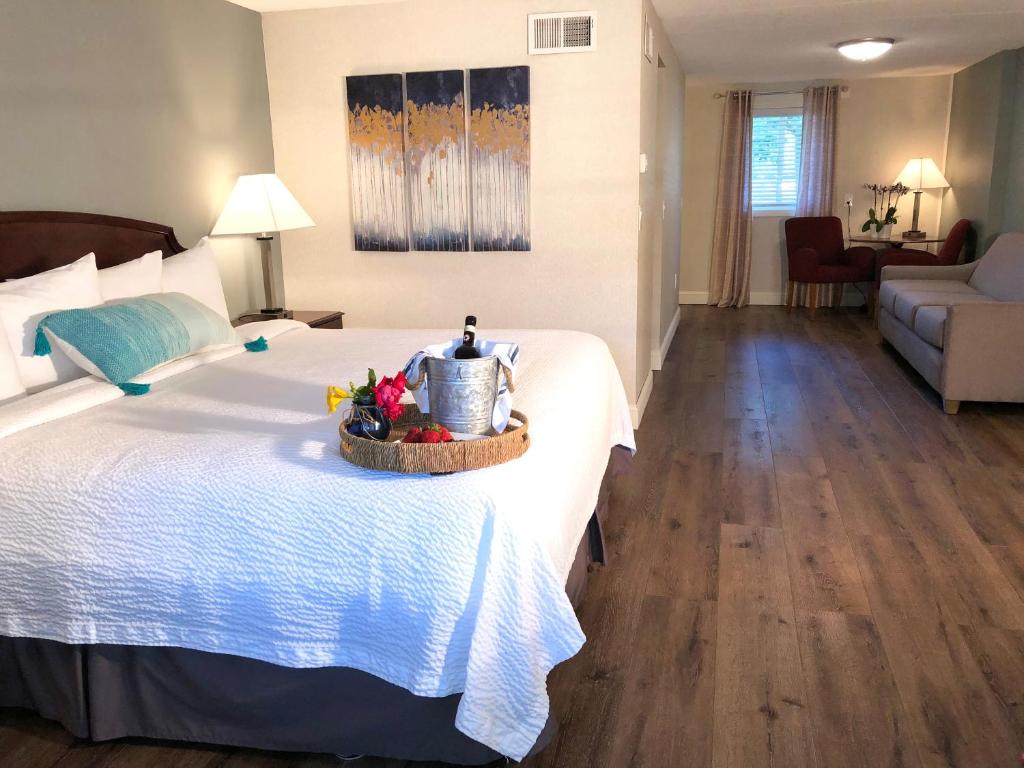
(961, 327)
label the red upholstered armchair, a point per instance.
(959, 235)
(814, 245)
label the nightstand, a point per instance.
(313, 318)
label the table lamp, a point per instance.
(261, 205)
(918, 174)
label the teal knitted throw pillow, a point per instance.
(124, 339)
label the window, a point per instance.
(775, 166)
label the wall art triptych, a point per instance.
(435, 118)
(499, 125)
(376, 147)
(419, 181)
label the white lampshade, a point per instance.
(260, 203)
(921, 173)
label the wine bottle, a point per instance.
(468, 350)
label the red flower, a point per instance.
(388, 394)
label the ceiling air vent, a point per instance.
(562, 32)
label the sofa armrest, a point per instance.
(961, 272)
(983, 352)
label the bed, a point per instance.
(199, 564)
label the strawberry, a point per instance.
(414, 435)
(446, 436)
(430, 436)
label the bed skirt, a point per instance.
(104, 692)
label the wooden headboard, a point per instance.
(34, 241)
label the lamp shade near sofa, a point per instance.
(918, 174)
(260, 204)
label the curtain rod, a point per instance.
(842, 89)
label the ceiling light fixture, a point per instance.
(865, 49)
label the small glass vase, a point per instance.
(365, 419)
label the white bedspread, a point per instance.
(215, 513)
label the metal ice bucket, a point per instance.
(463, 392)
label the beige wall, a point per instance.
(582, 271)
(662, 93)
(148, 110)
(703, 131)
(883, 122)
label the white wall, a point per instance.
(661, 140)
(582, 271)
(883, 122)
(671, 140)
(148, 110)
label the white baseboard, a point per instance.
(693, 297)
(658, 355)
(636, 412)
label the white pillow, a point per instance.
(194, 272)
(139, 277)
(11, 387)
(24, 302)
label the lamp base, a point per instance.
(276, 313)
(914, 234)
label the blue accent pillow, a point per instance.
(124, 339)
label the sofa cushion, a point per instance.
(907, 303)
(888, 290)
(930, 324)
(1000, 272)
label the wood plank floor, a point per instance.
(811, 566)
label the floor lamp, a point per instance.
(260, 204)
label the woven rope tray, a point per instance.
(392, 455)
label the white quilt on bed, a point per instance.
(215, 513)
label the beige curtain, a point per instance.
(818, 152)
(730, 251)
(817, 168)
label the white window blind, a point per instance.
(775, 167)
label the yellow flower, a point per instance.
(334, 397)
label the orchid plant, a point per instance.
(889, 195)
